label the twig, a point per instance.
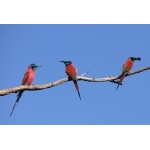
(84, 73)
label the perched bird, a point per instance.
(127, 66)
(27, 80)
(71, 72)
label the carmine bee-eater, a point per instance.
(27, 80)
(71, 72)
(127, 66)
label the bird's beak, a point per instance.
(138, 58)
(62, 61)
(39, 66)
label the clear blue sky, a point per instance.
(100, 49)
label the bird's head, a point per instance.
(34, 66)
(66, 62)
(135, 58)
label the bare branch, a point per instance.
(50, 85)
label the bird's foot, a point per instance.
(127, 73)
(69, 79)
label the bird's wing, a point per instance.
(25, 78)
(124, 68)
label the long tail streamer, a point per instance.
(18, 98)
(76, 85)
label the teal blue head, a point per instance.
(34, 66)
(66, 62)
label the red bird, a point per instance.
(127, 66)
(27, 80)
(71, 72)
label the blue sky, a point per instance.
(99, 49)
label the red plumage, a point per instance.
(28, 76)
(121, 78)
(127, 66)
(27, 80)
(71, 71)
(76, 85)
(72, 74)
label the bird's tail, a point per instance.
(121, 79)
(76, 85)
(17, 100)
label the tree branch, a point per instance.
(50, 85)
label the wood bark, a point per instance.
(112, 79)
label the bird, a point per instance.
(27, 80)
(72, 74)
(127, 66)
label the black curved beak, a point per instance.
(137, 58)
(62, 61)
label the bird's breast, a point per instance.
(71, 71)
(30, 78)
